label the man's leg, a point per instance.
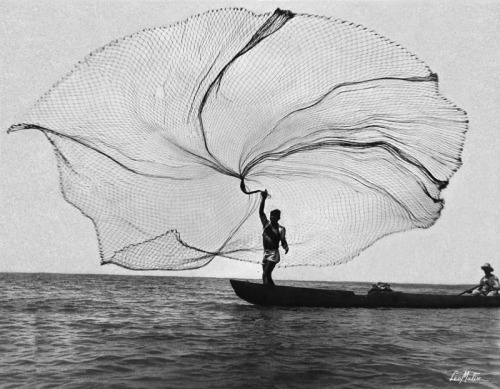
(267, 268)
(476, 292)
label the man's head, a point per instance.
(275, 215)
(487, 268)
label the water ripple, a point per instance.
(153, 332)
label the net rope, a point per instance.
(165, 138)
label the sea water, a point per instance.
(99, 331)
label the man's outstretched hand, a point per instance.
(264, 194)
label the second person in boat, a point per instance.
(489, 284)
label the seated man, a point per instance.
(272, 235)
(489, 285)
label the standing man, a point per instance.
(272, 235)
(489, 285)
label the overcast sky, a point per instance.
(42, 40)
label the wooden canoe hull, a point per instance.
(288, 296)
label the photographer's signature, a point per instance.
(465, 376)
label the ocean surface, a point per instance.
(99, 331)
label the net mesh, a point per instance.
(156, 135)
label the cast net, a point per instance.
(162, 136)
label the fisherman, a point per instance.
(489, 285)
(272, 235)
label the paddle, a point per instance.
(470, 290)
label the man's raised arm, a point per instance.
(262, 214)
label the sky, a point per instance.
(41, 41)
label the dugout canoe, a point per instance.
(290, 296)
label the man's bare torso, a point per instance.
(271, 236)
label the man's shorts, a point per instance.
(271, 255)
